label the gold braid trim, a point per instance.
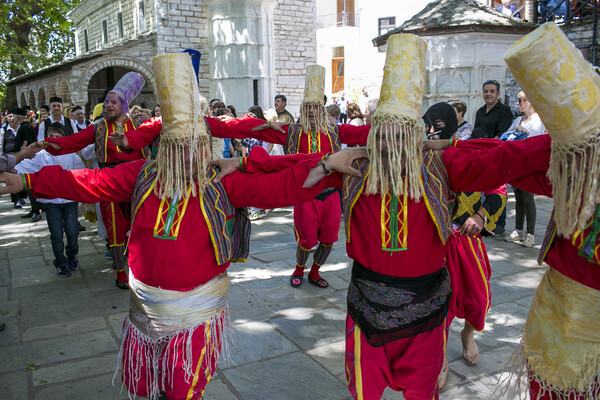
(404, 143)
(320, 118)
(574, 173)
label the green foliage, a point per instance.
(34, 34)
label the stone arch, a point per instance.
(31, 98)
(121, 62)
(51, 91)
(41, 97)
(22, 99)
(64, 92)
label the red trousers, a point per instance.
(317, 221)
(410, 365)
(172, 355)
(470, 272)
(116, 219)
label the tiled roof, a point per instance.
(445, 16)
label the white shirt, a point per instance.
(42, 128)
(42, 159)
(534, 125)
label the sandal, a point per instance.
(122, 285)
(297, 278)
(322, 283)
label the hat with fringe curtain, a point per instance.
(183, 139)
(314, 92)
(564, 89)
(396, 120)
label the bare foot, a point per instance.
(443, 373)
(470, 350)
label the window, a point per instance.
(120, 24)
(86, 44)
(142, 15)
(386, 24)
(345, 13)
(104, 31)
(255, 90)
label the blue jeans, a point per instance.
(63, 218)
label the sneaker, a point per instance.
(81, 227)
(22, 202)
(253, 216)
(499, 230)
(18, 205)
(108, 255)
(515, 236)
(36, 217)
(73, 264)
(529, 241)
(262, 213)
(64, 272)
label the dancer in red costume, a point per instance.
(397, 226)
(316, 222)
(186, 228)
(467, 261)
(114, 215)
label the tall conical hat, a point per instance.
(183, 136)
(314, 84)
(314, 92)
(564, 89)
(396, 120)
(129, 87)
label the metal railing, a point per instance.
(565, 12)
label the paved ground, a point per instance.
(62, 335)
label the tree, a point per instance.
(34, 34)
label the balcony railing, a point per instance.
(565, 12)
(337, 19)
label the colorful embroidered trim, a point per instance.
(394, 223)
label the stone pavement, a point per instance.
(62, 335)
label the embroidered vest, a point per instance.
(101, 138)
(586, 241)
(292, 144)
(229, 227)
(436, 195)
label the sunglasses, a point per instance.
(492, 82)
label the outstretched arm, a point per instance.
(226, 128)
(480, 165)
(82, 185)
(246, 127)
(70, 144)
(354, 135)
(293, 185)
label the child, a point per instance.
(59, 212)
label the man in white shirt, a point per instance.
(80, 120)
(61, 214)
(56, 115)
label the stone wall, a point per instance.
(295, 47)
(183, 24)
(90, 14)
(581, 34)
(72, 84)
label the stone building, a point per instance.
(251, 49)
(466, 41)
